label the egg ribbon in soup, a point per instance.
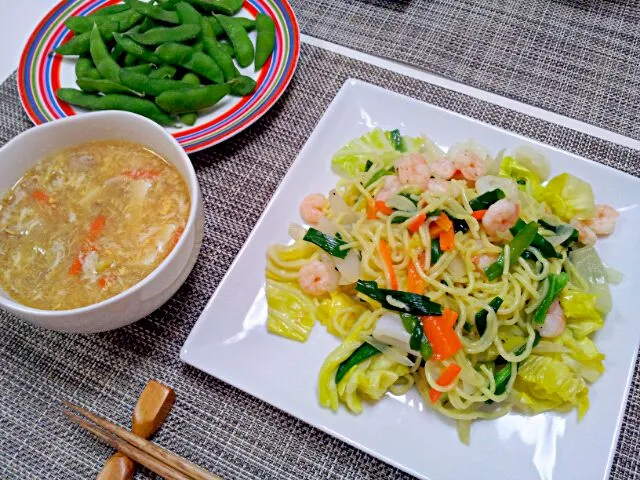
(89, 222)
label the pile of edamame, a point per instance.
(166, 59)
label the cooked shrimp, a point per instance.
(442, 168)
(413, 169)
(470, 164)
(438, 186)
(390, 187)
(555, 322)
(586, 235)
(501, 216)
(484, 260)
(317, 278)
(604, 220)
(312, 208)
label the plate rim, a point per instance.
(263, 105)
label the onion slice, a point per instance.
(390, 331)
(391, 352)
(349, 267)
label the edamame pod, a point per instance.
(163, 71)
(153, 11)
(86, 69)
(124, 20)
(160, 35)
(266, 40)
(143, 68)
(114, 102)
(150, 86)
(187, 57)
(79, 43)
(110, 10)
(196, 98)
(242, 85)
(216, 52)
(187, 14)
(226, 7)
(134, 48)
(227, 48)
(242, 46)
(106, 66)
(190, 118)
(91, 85)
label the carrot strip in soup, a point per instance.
(446, 378)
(415, 283)
(96, 228)
(386, 257)
(39, 196)
(142, 174)
(76, 267)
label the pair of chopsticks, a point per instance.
(146, 453)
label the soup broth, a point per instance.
(89, 222)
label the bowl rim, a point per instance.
(191, 179)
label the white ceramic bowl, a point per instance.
(21, 153)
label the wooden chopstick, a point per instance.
(129, 450)
(125, 441)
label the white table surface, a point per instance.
(17, 21)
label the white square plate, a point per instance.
(231, 342)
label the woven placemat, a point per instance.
(213, 423)
(575, 57)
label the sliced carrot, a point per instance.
(444, 222)
(40, 196)
(371, 211)
(76, 267)
(447, 239)
(479, 214)
(415, 283)
(449, 317)
(142, 174)
(104, 281)
(96, 228)
(434, 230)
(446, 378)
(444, 340)
(415, 224)
(176, 236)
(383, 208)
(386, 257)
(457, 175)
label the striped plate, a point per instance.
(41, 73)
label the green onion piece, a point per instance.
(415, 304)
(520, 350)
(484, 201)
(359, 355)
(517, 246)
(556, 284)
(415, 340)
(368, 165)
(481, 316)
(425, 348)
(377, 176)
(409, 197)
(436, 252)
(329, 244)
(541, 243)
(503, 375)
(467, 327)
(409, 321)
(563, 226)
(400, 219)
(396, 140)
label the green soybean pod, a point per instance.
(245, 23)
(242, 46)
(110, 10)
(86, 69)
(160, 35)
(106, 66)
(227, 48)
(266, 40)
(217, 53)
(215, 26)
(102, 85)
(226, 7)
(147, 24)
(116, 52)
(79, 43)
(242, 85)
(114, 102)
(150, 86)
(193, 99)
(134, 48)
(187, 57)
(190, 118)
(153, 11)
(124, 20)
(187, 14)
(143, 68)
(163, 71)
(130, 60)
